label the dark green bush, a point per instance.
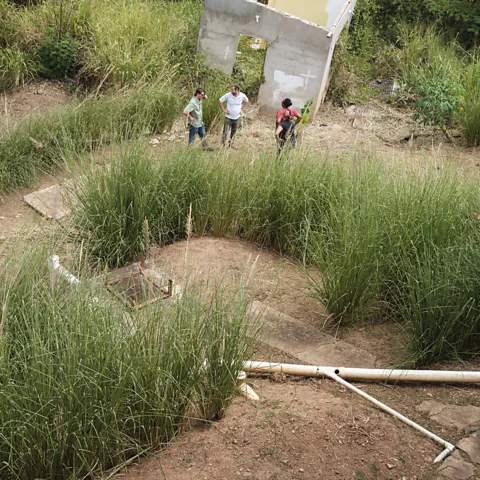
(58, 56)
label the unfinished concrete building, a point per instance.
(300, 50)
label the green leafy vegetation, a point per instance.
(57, 56)
(248, 69)
(439, 102)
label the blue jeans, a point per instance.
(192, 132)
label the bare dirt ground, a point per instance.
(312, 429)
(301, 428)
(304, 429)
(33, 99)
(375, 130)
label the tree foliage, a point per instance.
(462, 17)
(458, 18)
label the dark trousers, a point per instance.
(287, 143)
(232, 126)
(192, 133)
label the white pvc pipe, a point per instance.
(448, 446)
(245, 389)
(54, 264)
(334, 374)
(367, 373)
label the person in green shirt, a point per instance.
(193, 111)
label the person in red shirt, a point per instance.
(287, 105)
(285, 132)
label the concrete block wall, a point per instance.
(298, 56)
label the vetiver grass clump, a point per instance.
(380, 238)
(84, 390)
(268, 201)
(43, 143)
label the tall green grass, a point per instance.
(133, 40)
(269, 202)
(438, 300)
(425, 54)
(366, 229)
(123, 42)
(470, 117)
(84, 391)
(43, 143)
(16, 68)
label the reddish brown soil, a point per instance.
(312, 429)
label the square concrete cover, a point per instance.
(138, 286)
(48, 202)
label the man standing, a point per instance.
(287, 106)
(193, 111)
(235, 103)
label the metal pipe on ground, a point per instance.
(367, 374)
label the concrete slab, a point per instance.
(48, 202)
(451, 415)
(471, 446)
(339, 354)
(287, 333)
(455, 468)
(306, 342)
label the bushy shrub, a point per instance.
(58, 56)
(439, 103)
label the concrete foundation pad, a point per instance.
(307, 342)
(338, 354)
(48, 202)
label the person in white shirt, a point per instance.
(236, 100)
